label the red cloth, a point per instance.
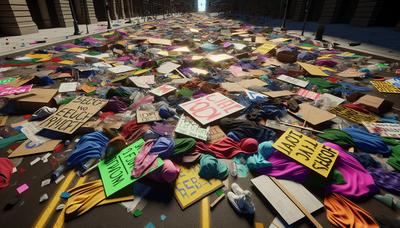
(132, 131)
(357, 107)
(6, 167)
(228, 148)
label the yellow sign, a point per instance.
(190, 188)
(307, 151)
(385, 87)
(265, 48)
(76, 50)
(352, 115)
(313, 70)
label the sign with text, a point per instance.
(308, 94)
(144, 116)
(116, 173)
(353, 115)
(385, 87)
(161, 90)
(293, 81)
(190, 188)
(6, 90)
(389, 130)
(186, 126)
(211, 107)
(313, 70)
(265, 48)
(307, 151)
(215, 134)
(70, 117)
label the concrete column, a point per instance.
(15, 18)
(44, 12)
(63, 12)
(85, 14)
(113, 9)
(366, 11)
(120, 9)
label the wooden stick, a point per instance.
(90, 169)
(297, 203)
(180, 73)
(216, 201)
(298, 126)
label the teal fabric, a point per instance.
(241, 167)
(266, 149)
(12, 139)
(210, 168)
(257, 161)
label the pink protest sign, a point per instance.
(9, 90)
(211, 107)
(308, 94)
(161, 90)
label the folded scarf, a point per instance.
(228, 148)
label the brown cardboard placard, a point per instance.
(232, 86)
(281, 93)
(71, 116)
(375, 104)
(29, 148)
(351, 73)
(312, 114)
(143, 116)
(255, 82)
(40, 98)
(3, 120)
(215, 134)
(159, 41)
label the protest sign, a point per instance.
(167, 67)
(389, 130)
(353, 115)
(385, 87)
(159, 41)
(351, 73)
(308, 94)
(254, 95)
(6, 80)
(143, 116)
(219, 57)
(67, 87)
(116, 173)
(6, 90)
(190, 188)
(190, 128)
(307, 151)
(312, 70)
(70, 117)
(312, 114)
(292, 80)
(215, 134)
(265, 48)
(143, 81)
(211, 107)
(28, 148)
(281, 93)
(121, 69)
(161, 90)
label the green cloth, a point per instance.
(183, 145)
(119, 92)
(12, 139)
(338, 137)
(257, 161)
(210, 168)
(390, 141)
(337, 177)
(321, 83)
(394, 159)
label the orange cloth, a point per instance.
(341, 212)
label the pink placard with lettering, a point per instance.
(9, 90)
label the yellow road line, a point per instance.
(205, 213)
(45, 215)
(61, 217)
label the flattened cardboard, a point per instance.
(159, 41)
(255, 82)
(313, 70)
(29, 148)
(40, 98)
(266, 47)
(143, 116)
(351, 73)
(352, 115)
(219, 58)
(67, 87)
(313, 115)
(188, 127)
(167, 67)
(232, 87)
(215, 134)
(281, 93)
(293, 81)
(162, 90)
(375, 104)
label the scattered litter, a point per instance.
(137, 213)
(59, 179)
(46, 182)
(163, 217)
(43, 198)
(35, 161)
(22, 188)
(149, 225)
(65, 195)
(60, 207)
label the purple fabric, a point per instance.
(167, 173)
(326, 63)
(115, 104)
(389, 181)
(144, 160)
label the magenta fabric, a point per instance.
(167, 173)
(6, 167)
(227, 147)
(144, 160)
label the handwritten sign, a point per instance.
(307, 151)
(144, 116)
(6, 80)
(116, 173)
(215, 134)
(190, 128)
(219, 57)
(143, 81)
(313, 70)
(351, 73)
(190, 188)
(9, 90)
(28, 148)
(167, 67)
(308, 94)
(293, 81)
(70, 117)
(265, 48)
(211, 107)
(352, 115)
(161, 90)
(385, 87)
(389, 130)
(67, 87)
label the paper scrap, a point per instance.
(67, 87)
(22, 188)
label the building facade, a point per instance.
(18, 17)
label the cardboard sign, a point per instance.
(279, 40)
(389, 130)
(219, 57)
(334, 100)
(67, 87)
(116, 173)
(186, 126)
(313, 70)
(351, 73)
(232, 87)
(167, 67)
(307, 151)
(237, 71)
(6, 90)
(275, 94)
(352, 115)
(190, 188)
(143, 116)
(162, 90)
(87, 88)
(211, 107)
(255, 82)
(120, 69)
(28, 148)
(215, 134)
(254, 95)
(375, 104)
(313, 115)
(6, 80)
(159, 41)
(3, 120)
(265, 48)
(143, 81)
(308, 94)
(293, 81)
(70, 117)
(385, 87)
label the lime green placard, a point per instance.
(6, 80)
(116, 173)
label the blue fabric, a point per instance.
(266, 149)
(367, 142)
(257, 161)
(163, 147)
(210, 167)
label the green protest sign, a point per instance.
(116, 173)
(6, 80)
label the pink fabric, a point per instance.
(167, 173)
(6, 167)
(144, 161)
(228, 148)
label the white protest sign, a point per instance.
(190, 128)
(161, 90)
(70, 117)
(143, 81)
(211, 107)
(167, 67)
(120, 69)
(292, 80)
(389, 130)
(67, 87)
(254, 95)
(143, 116)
